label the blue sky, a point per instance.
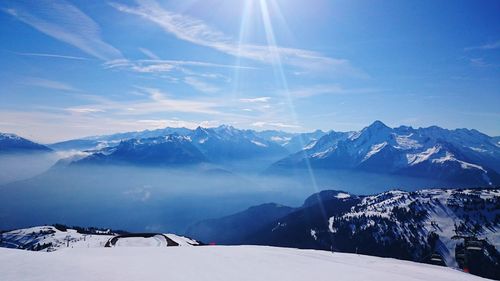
(79, 68)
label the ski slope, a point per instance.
(28, 238)
(221, 263)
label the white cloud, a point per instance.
(149, 53)
(51, 56)
(479, 62)
(153, 68)
(262, 124)
(256, 100)
(159, 66)
(176, 123)
(488, 46)
(331, 89)
(48, 84)
(200, 85)
(65, 23)
(83, 110)
(158, 102)
(198, 32)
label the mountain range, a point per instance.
(462, 156)
(156, 151)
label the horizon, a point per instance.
(79, 70)
(240, 128)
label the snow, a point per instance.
(222, 263)
(49, 234)
(72, 239)
(478, 149)
(375, 149)
(313, 234)
(310, 145)
(416, 158)
(342, 195)
(9, 136)
(406, 142)
(322, 153)
(182, 241)
(155, 241)
(450, 157)
(279, 139)
(258, 143)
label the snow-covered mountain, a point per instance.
(97, 142)
(405, 225)
(223, 263)
(169, 150)
(53, 238)
(228, 143)
(275, 140)
(293, 142)
(217, 145)
(11, 143)
(461, 155)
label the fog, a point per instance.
(19, 166)
(164, 199)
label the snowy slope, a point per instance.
(446, 212)
(213, 263)
(49, 238)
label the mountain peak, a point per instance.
(226, 128)
(377, 124)
(15, 143)
(9, 136)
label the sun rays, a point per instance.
(274, 53)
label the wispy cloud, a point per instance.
(51, 56)
(187, 72)
(149, 53)
(315, 90)
(83, 110)
(256, 100)
(198, 32)
(200, 85)
(48, 84)
(158, 65)
(487, 46)
(481, 62)
(157, 102)
(177, 123)
(262, 124)
(66, 23)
